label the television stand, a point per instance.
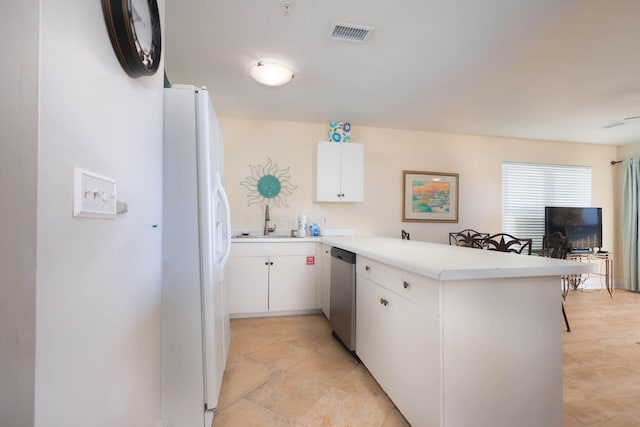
(572, 281)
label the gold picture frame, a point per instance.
(430, 196)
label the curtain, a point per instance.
(631, 222)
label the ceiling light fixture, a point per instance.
(271, 74)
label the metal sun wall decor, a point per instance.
(268, 185)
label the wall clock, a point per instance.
(134, 30)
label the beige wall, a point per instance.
(387, 153)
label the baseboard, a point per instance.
(276, 313)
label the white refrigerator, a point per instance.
(196, 243)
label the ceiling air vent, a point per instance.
(349, 32)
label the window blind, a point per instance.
(528, 187)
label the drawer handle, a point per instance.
(406, 285)
(367, 268)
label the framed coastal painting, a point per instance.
(430, 197)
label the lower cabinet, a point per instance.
(281, 280)
(398, 339)
(292, 283)
(371, 329)
(413, 343)
(248, 284)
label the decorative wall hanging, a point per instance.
(430, 197)
(268, 185)
(340, 131)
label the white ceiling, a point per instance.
(542, 69)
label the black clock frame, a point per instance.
(134, 60)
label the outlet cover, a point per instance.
(94, 196)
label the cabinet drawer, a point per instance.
(373, 270)
(271, 249)
(419, 289)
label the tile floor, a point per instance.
(601, 360)
(289, 371)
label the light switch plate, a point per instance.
(94, 196)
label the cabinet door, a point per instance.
(371, 328)
(413, 382)
(352, 172)
(325, 280)
(292, 283)
(248, 279)
(327, 185)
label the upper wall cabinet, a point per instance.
(339, 172)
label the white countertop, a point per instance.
(445, 262)
(272, 239)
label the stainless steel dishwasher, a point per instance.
(343, 297)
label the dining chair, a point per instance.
(554, 245)
(468, 238)
(504, 242)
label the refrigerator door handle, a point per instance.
(227, 226)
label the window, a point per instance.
(528, 187)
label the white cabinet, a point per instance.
(248, 284)
(397, 338)
(292, 283)
(325, 279)
(371, 343)
(339, 172)
(415, 367)
(272, 278)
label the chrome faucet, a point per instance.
(267, 229)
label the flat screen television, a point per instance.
(582, 226)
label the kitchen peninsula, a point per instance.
(459, 336)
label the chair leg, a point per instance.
(566, 321)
